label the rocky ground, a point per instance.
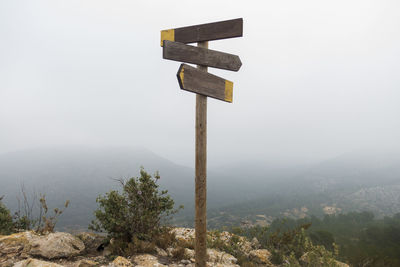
(27, 249)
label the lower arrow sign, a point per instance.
(204, 83)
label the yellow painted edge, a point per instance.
(181, 74)
(228, 91)
(167, 35)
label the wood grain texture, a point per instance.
(204, 83)
(201, 56)
(201, 175)
(205, 32)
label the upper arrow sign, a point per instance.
(204, 32)
(204, 83)
(200, 56)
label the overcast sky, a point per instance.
(319, 78)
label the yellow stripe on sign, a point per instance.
(228, 91)
(167, 35)
(181, 74)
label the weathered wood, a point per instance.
(201, 56)
(204, 83)
(204, 32)
(201, 175)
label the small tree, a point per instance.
(6, 223)
(135, 214)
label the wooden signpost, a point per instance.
(204, 32)
(205, 85)
(201, 56)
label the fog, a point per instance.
(318, 78)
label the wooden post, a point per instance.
(203, 84)
(201, 175)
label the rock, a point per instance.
(341, 264)
(121, 262)
(91, 241)
(161, 252)
(15, 243)
(186, 234)
(13, 247)
(211, 264)
(215, 256)
(254, 243)
(242, 242)
(147, 260)
(8, 262)
(56, 245)
(85, 263)
(261, 256)
(36, 263)
(189, 253)
(307, 257)
(170, 252)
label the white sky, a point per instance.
(319, 78)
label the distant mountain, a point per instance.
(358, 169)
(358, 181)
(253, 190)
(81, 174)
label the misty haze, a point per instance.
(310, 141)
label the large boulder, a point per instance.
(36, 263)
(15, 243)
(14, 247)
(56, 245)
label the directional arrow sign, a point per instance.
(204, 32)
(200, 56)
(204, 83)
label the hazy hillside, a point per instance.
(253, 191)
(359, 181)
(81, 174)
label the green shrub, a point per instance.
(6, 223)
(136, 214)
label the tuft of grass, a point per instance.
(165, 239)
(179, 253)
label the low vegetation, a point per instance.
(135, 218)
(291, 247)
(25, 219)
(6, 222)
(135, 221)
(356, 238)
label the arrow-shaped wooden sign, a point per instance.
(204, 83)
(204, 32)
(200, 56)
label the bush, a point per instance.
(6, 223)
(137, 213)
